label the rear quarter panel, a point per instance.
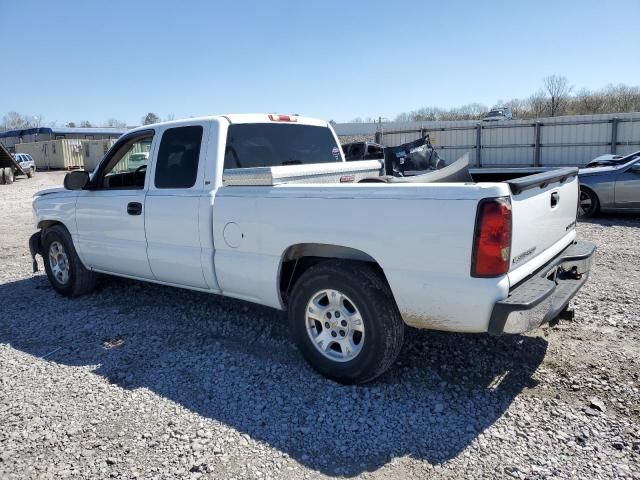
(421, 236)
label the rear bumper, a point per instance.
(543, 296)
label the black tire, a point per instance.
(1, 176)
(588, 204)
(80, 280)
(9, 176)
(369, 293)
(30, 173)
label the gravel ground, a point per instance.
(146, 381)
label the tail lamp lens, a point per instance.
(492, 239)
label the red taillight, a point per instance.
(282, 118)
(492, 239)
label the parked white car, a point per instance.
(263, 208)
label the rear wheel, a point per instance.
(65, 270)
(589, 204)
(8, 175)
(345, 322)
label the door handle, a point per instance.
(555, 198)
(134, 208)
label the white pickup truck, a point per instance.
(263, 208)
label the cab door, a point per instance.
(109, 215)
(627, 188)
(173, 206)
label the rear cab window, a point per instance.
(178, 157)
(267, 145)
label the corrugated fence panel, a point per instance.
(507, 157)
(496, 150)
(450, 155)
(450, 138)
(629, 132)
(576, 133)
(627, 149)
(569, 140)
(570, 156)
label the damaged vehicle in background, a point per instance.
(410, 158)
(610, 159)
(363, 151)
(614, 188)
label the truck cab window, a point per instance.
(129, 165)
(268, 145)
(178, 157)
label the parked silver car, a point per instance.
(26, 163)
(497, 114)
(611, 188)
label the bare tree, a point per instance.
(115, 123)
(622, 98)
(518, 107)
(85, 124)
(558, 89)
(14, 121)
(150, 118)
(537, 104)
(586, 102)
(70, 125)
(403, 117)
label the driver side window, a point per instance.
(128, 166)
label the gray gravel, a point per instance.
(146, 381)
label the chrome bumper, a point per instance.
(544, 295)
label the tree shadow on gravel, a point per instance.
(232, 362)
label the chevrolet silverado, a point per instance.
(265, 209)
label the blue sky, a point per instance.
(96, 60)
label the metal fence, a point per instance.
(544, 142)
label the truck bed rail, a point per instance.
(519, 185)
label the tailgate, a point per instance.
(544, 210)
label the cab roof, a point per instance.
(240, 118)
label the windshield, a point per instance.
(629, 158)
(267, 144)
(495, 113)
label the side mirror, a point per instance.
(76, 180)
(635, 168)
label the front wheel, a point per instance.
(30, 172)
(66, 273)
(345, 322)
(588, 204)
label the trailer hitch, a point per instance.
(571, 274)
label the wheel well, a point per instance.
(297, 259)
(592, 192)
(44, 224)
